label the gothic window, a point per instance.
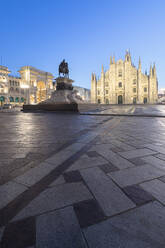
(134, 90)
(99, 101)
(120, 73)
(98, 93)
(145, 89)
(134, 81)
(120, 85)
(17, 90)
(106, 91)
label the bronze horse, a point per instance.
(63, 68)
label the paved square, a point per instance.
(91, 181)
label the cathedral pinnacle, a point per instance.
(111, 60)
(150, 70)
(154, 70)
(102, 69)
(139, 63)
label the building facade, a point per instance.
(83, 92)
(32, 86)
(123, 83)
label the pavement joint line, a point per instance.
(14, 207)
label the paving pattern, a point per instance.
(81, 181)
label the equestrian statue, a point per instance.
(63, 68)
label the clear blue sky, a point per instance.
(43, 32)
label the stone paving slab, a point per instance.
(19, 234)
(115, 159)
(59, 229)
(145, 223)
(9, 192)
(161, 156)
(85, 162)
(137, 153)
(60, 157)
(35, 174)
(59, 180)
(154, 161)
(122, 145)
(138, 195)
(1, 232)
(136, 175)
(105, 235)
(156, 188)
(158, 148)
(54, 198)
(111, 199)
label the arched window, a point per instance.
(98, 92)
(134, 81)
(106, 92)
(134, 90)
(99, 101)
(145, 89)
(11, 89)
(120, 85)
(17, 90)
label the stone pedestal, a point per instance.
(63, 99)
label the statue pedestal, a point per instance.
(64, 98)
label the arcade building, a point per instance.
(31, 87)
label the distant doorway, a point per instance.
(120, 99)
(145, 100)
(107, 101)
(134, 100)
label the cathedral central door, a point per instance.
(120, 99)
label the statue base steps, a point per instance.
(70, 107)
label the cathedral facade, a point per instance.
(123, 83)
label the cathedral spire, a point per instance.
(140, 66)
(154, 70)
(111, 60)
(102, 69)
(128, 56)
(150, 70)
